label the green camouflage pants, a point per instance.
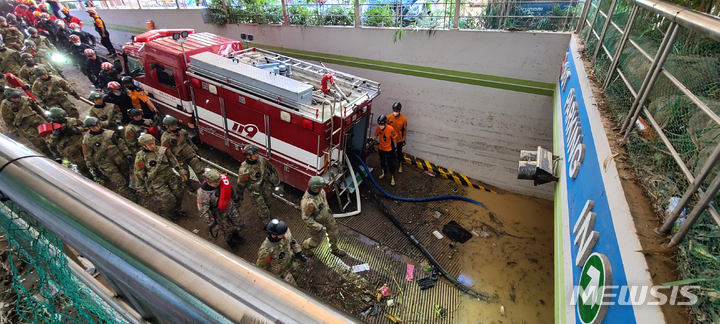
(115, 174)
(195, 164)
(262, 200)
(316, 234)
(229, 220)
(31, 134)
(169, 190)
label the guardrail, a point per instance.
(658, 66)
(165, 272)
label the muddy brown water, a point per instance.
(518, 271)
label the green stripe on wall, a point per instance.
(483, 80)
(560, 307)
(539, 88)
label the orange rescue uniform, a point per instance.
(386, 136)
(399, 124)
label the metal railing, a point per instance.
(165, 272)
(603, 17)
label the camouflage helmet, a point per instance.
(40, 71)
(250, 150)
(29, 43)
(276, 227)
(146, 139)
(26, 56)
(170, 120)
(10, 16)
(95, 95)
(91, 121)
(56, 113)
(135, 112)
(3, 19)
(12, 93)
(316, 182)
(32, 30)
(211, 175)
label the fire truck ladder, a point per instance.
(338, 163)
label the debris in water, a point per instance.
(455, 232)
(385, 290)
(430, 174)
(410, 269)
(361, 267)
(195, 231)
(393, 319)
(474, 233)
(426, 283)
(390, 303)
(502, 311)
(485, 234)
(438, 235)
(441, 311)
(437, 214)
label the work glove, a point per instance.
(129, 157)
(26, 87)
(74, 131)
(94, 172)
(300, 256)
(184, 176)
(56, 132)
(76, 95)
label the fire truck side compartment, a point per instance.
(292, 91)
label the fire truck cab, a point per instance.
(303, 117)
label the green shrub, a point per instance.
(339, 15)
(379, 16)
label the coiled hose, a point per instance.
(413, 199)
(366, 176)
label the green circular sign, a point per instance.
(591, 298)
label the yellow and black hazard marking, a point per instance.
(445, 173)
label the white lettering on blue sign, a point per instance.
(586, 237)
(573, 132)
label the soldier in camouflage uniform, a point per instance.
(229, 220)
(31, 48)
(109, 114)
(23, 116)
(178, 140)
(316, 213)
(137, 126)
(258, 176)
(27, 71)
(9, 34)
(43, 44)
(67, 142)
(155, 169)
(53, 91)
(277, 252)
(107, 153)
(11, 60)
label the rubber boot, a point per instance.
(382, 174)
(338, 253)
(309, 253)
(233, 246)
(392, 180)
(237, 238)
(400, 168)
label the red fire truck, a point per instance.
(304, 117)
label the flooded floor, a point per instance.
(517, 268)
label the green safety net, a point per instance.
(694, 62)
(45, 289)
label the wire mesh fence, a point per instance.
(46, 290)
(678, 129)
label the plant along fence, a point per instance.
(415, 14)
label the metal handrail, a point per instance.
(691, 19)
(164, 270)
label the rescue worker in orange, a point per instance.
(102, 30)
(140, 99)
(399, 123)
(386, 137)
(69, 19)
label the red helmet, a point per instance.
(89, 52)
(107, 66)
(74, 38)
(74, 26)
(92, 12)
(114, 86)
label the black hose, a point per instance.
(459, 285)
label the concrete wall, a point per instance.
(473, 99)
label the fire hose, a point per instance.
(366, 176)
